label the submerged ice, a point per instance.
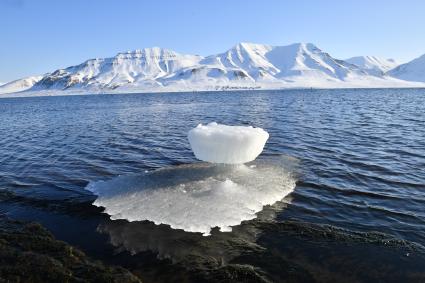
(195, 197)
(218, 143)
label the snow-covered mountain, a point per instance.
(246, 65)
(264, 62)
(411, 71)
(257, 65)
(373, 65)
(19, 85)
(143, 68)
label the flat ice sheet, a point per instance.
(218, 143)
(195, 197)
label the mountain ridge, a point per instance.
(412, 71)
(373, 64)
(245, 65)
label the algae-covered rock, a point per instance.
(29, 253)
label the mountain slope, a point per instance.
(411, 71)
(144, 66)
(307, 60)
(19, 85)
(246, 65)
(261, 62)
(373, 65)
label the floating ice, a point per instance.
(227, 144)
(195, 197)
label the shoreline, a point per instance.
(29, 246)
(62, 93)
(30, 253)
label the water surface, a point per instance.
(360, 156)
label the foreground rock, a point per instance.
(264, 251)
(29, 253)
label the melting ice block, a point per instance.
(195, 197)
(227, 144)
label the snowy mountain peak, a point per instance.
(372, 64)
(138, 67)
(153, 52)
(411, 71)
(249, 46)
(303, 45)
(20, 85)
(245, 65)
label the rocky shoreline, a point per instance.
(256, 251)
(30, 253)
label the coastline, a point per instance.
(28, 246)
(58, 93)
(30, 253)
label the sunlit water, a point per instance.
(360, 157)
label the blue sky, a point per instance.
(39, 36)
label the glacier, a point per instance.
(244, 66)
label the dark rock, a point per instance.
(29, 253)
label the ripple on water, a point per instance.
(359, 149)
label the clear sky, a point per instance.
(38, 36)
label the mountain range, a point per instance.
(244, 66)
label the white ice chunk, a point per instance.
(195, 197)
(227, 144)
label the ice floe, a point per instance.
(227, 144)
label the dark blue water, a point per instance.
(361, 153)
